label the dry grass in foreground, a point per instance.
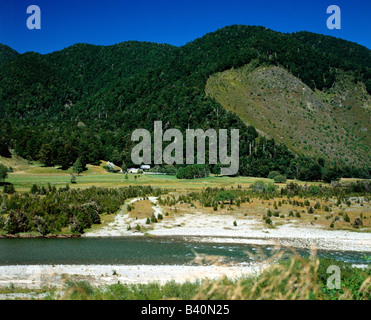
(294, 279)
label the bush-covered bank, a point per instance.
(218, 196)
(338, 206)
(64, 210)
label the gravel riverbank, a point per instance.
(220, 228)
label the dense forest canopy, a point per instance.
(6, 54)
(85, 101)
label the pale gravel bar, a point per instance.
(36, 276)
(203, 227)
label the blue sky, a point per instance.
(66, 22)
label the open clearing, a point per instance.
(25, 175)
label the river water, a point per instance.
(136, 250)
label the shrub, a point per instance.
(92, 211)
(357, 222)
(193, 172)
(2, 221)
(16, 222)
(3, 208)
(41, 225)
(265, 188)
(280, 179)
(225, 196)
(3, 172)
(314, 190)
(346, 218)
(310, 210)
(76, 226)
(9, 189)
(35, 189)
(273, 174)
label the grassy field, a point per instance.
(25, 175)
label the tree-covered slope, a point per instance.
(35, 82)
(343, 54)
(85, 101)
(6, 54)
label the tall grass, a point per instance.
(83, 290)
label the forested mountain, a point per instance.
(6, 54)
(85, 100)
(343, 54)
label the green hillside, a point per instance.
(333, 124)
(85, 101)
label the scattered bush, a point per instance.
(346, 218)
(357, 222)
(280, 179)
(9, 189)
(153, 218)
(193, 172)
(310, 210)
(273, 174)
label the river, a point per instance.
(135, 250)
